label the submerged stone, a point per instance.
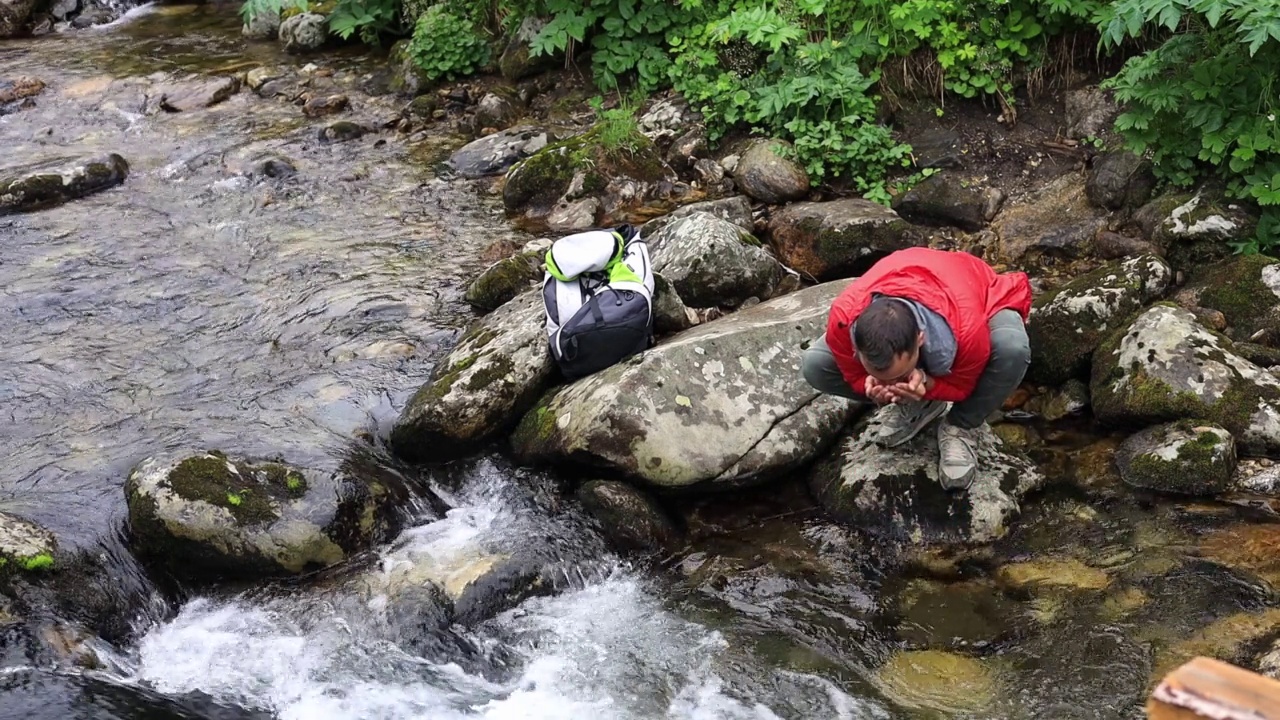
(210, 515)
(53, 182)
(1065, 573)
(732, 386)
(938, 681)
(1179, 457)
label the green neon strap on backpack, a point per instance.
(553, 269)
(618, 270)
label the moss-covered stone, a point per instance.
(24, 546)
(57, 181)
(249, 491)
(1184, 457)
(504, 280)
(1194, 230)
(1245, 289)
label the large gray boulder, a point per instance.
(1246, 290)
(840, 238)
(768, 173)
(1165, 367)
(53, 182)
(894, 494)
(736, 210)
(1069, 323)
(212, 515)
(304, 32)
(722, 405)
(495, 154)
(712, 262)
(499, 368)
(1183, 457)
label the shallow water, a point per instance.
(201, 306)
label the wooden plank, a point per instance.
(1208, 688)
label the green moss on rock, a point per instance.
(249, 492)
(504, 280)
(1235, 289)
(1202, 463)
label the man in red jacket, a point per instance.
(923, 332)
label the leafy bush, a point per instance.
(447, 46)
(370, 18)
(1204, 102)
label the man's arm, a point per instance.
(970, 361)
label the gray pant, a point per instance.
(1010, 355)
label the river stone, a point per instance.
(670, 315)
(713, 262)
(504, 280)
(950, 199)
(840, 238)
(1120, 180)
(20, 88)
(1181, 457)
(574, 216)
(494, 154)
(264, 25)
(1068, 324)
(342, 131)
(14, 15)
(1057, 222)
(768, 173)
(497, 110)
(1194, 230)
(1165, 367)
(1230, 639)
(407, 79)
(1070, 400)
(1033, 576)
(894, 493)
(24, 546)
(628, 516)
(322, 105)
(53, 182)
(304, 32)
(209, 514)
(736, 210)
(517, 62)
(497, 370)
(1246, 290)
(937, 681)
(1090, 113)
(188, 95)
(722, 405)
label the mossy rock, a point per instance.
(1165, 367)
(210, 515)
(1068, 324)
(50, 183)
(1193, 230)
(1184, 457)
(1246, 290)
(24, 546)
(713, 262)
(504, 280)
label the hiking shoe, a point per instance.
(957, 456)
(899, 422)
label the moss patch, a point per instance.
(1200, 466)
(249, 491)
(499, 368)
(503, 280)
(1235, 289)
(536, 429)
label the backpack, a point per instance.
(598, 292)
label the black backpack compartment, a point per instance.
(612, 326)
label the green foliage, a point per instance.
(370, 18)
(1204, 102)
(234, 498)
(617, 130)
(43, 561)
(447, 46)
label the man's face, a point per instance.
(900, 369)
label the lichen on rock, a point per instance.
(1246, 290)
(24, 546)
(839, 238)
(1183, 457)
(713, 262)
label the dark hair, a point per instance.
(885, 330)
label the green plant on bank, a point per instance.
(617, 129)
(1204, 103)
(370, 19)
(446, 45)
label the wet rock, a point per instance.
(264, 25)
(93, 16)
(504, 280)
(1068, 324)
(270, 166)
(189, 95)
(1246, 290)
(407, 79)
(494, 154)
(11, 91)
(736, 210)
(734, 384)
(260, 76)
(211, 515)
(1257, 476)
(342, 131)
(24, 546)
(840, 238)
(304, 32)
(1070, 400)
(713, 262)
(62, 9)
(711, 175)
(1251, 548)
(1182, 458)
(1229, 639)
(1194, 230)
(940, 615)
(497, 110)
(517, 62)
(1165, 367)
(937, 681)
(1017, 436)
(1090, 113)
(629, 517)
(497, 370)
(1113, 246)
(949, 199)
(768, 173)
(895, 493)
(53, 182)
(424, 107)
(1055, 222)
(14, 15)
(1120, 180)
(325, 105)
(574, 216)
(669, 312)
(1036, 576)
(937, 149)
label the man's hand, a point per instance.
(912, 389)
(877, 392)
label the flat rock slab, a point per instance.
(189, 95)
(54, 182)
(895, 494)
(721, 405)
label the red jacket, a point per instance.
(964, 290)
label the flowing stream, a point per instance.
(205, 305)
